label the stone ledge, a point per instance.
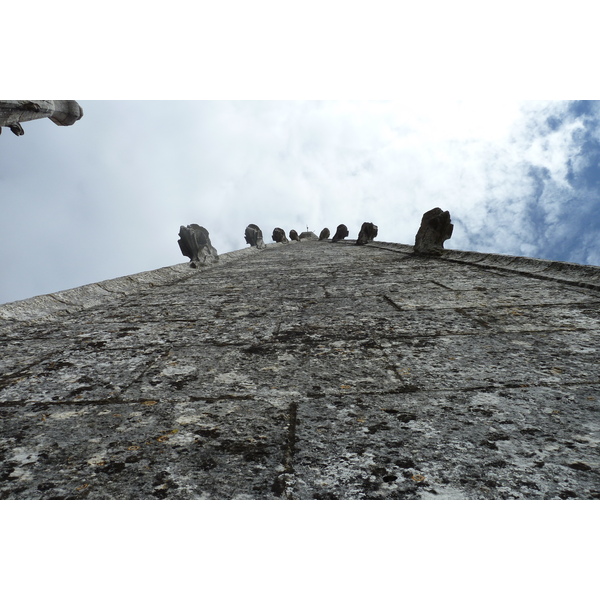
(587, 276)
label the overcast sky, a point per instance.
(105, 197)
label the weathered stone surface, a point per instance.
(368, 232)
(435, 229)
(279, 236)
(195, 243)
(253, 236)
(348, 373)
(324, 235)
(15, 112)
(308, 236)
(341, 233)
(294, 235)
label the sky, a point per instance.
(106, 196)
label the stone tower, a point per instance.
(308, 371)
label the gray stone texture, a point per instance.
(347, 373)
(308, 236)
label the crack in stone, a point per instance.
(464, 313)
(391, 302)
(283, 484)
(492, 268)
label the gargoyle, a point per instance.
(279, 236)
(15, 112)
(435, 229)
(368, 232)
(324, 235)
(294, 235)
(254, 236)
(341, 233)
(195, 244)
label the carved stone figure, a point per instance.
(254, 236)
(368, 232)
(294, 235)
(308, 236)
(15, 112)
(195, 244)
(341, 233)
(324, 235)
(435, 229)
(279, 236)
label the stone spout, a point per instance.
(60, 112)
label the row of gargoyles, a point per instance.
(254, 237)
(435, 229)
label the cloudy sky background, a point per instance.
(106, 196)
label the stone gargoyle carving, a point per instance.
(308, 236)
(341, 233)
(294, 235)
(279, 236)
(195, 244)
(368, 232)
(15, 112)
(435, 229)
(324, 235)
(254, 236)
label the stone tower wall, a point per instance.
(306, 371)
